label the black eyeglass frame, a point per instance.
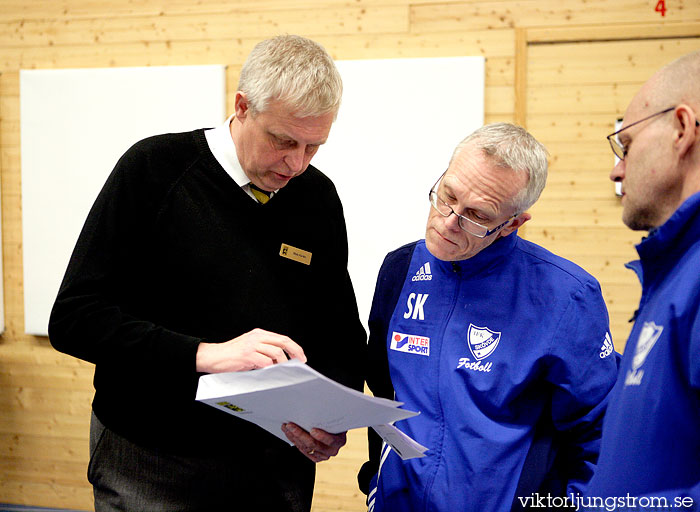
(617, 148)
(462, 218)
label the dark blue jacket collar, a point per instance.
(663, 247)
(492, 255)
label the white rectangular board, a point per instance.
(75, 124)
(397, 127)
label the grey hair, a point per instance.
(294, 70)
(512, 147)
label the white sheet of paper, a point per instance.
(402, 444)
(294, 392)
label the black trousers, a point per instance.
(127, 477)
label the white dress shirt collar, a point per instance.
(224, 150)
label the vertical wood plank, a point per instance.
(521, 49)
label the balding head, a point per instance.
(661, 168)
(678, 82)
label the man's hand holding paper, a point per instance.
(317, 445)
(299, 405)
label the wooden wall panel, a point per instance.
(621, 32)
(605, 63)
(568, 94)
(478, 15)
(496, 44)
(575, 93)
(204, 27)
(15, 10)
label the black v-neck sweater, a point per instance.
(174, 252)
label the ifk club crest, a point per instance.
(645, 342)
(647, 339)
(482, 341)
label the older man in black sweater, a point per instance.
(211, 251)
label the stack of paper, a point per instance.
(294, 392)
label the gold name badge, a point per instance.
(293, 253)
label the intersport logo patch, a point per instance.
(410, 343)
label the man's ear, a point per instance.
(514, 224)
(241, 105)
(686, 131)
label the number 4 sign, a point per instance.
(661, 7)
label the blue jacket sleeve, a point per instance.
(583, 370)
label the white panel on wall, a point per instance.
(75, 124)
(618, 184)
(398, 124)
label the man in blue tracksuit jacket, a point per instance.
(502, 346)
(650, 451)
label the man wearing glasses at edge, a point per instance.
(651, 439)
(503, 346)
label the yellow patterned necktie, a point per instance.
(261, 195)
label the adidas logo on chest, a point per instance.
(424, 273)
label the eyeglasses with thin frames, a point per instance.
(465, 224)
(620, 150)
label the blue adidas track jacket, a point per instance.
(651, 439)
(493, 351)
